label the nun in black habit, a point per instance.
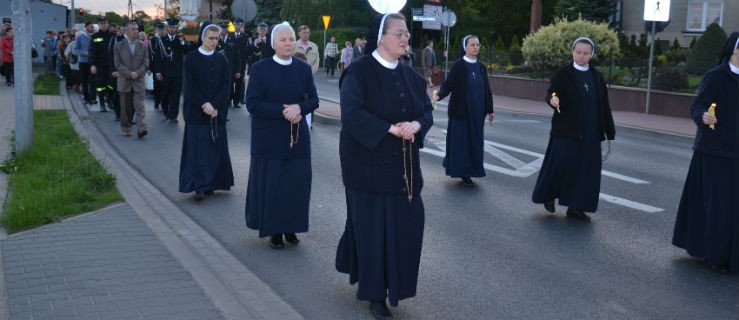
(385, 115)
(581, 120)
(707, 223)
(205, 165)
(279, 95)
(470, 103)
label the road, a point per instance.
(489, 252)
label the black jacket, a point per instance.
(567, 122)
(168, 56)
(371, 158)
(101, 49)
(456, 83)
(719, 86)
(231, 50)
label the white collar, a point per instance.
(469, 60)
(733, 68)
(383, 62)
(284, 62)
(580, 68)
(206, 52)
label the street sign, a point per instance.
(448, 18)
(657, 10)
(424, 18)
(244, 9)
(326, 20)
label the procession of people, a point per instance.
(272, 73)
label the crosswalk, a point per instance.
(516, 167)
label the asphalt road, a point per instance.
(489, 252)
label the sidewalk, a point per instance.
(143, 259)
(329, 112)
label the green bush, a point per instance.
(670, 79)
(550, 47)
(707, 50)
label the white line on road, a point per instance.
(630, 204)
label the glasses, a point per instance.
(402, 35)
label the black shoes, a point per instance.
(549, 206)
(142, 133)
(380, 310)
(199, 196)
(209, 193)
(275, 241)
(577, 214)
(467, 182)
(292, 238)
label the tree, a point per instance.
(592, 10)
(707, 50)
(113, 17)
(550, 47)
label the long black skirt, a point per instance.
(205, 164)
(571, 173)
(278, 196)
(381, 245)
(707, 223)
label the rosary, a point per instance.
(408, 183)
(297, 135)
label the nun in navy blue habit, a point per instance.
(707, 223)
(581, 119)
(385, 115)
(470, 103)
(279, 95)
(205, 165)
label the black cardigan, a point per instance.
(371, 158)
(456, 83)
(719, 86)
(567, 122)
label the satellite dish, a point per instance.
(448, 18)
(244, 9)
(387, 6)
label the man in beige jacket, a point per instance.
(131, 59)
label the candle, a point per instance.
(554, 94)
(712, 112)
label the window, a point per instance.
(703, 13)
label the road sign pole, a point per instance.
(651, 58)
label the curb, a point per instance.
(230, 286)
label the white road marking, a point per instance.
(630, 204)
(522, 169)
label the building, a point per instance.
(44, 15)
(688, 18)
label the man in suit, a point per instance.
(242, 42)
(258, 48)
(169, 52)
(131, 59)
(227, 45)
(158, 34)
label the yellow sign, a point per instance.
(326, 20)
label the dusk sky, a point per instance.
(119, 6)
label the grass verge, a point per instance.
(46, 84)
(56, 178)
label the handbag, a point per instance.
(73, 58)
(34, 53)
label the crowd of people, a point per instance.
(272, 74)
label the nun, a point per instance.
(581, 119)
(205, 164)
(385, 115)
(707, 223)
(470, 103)
(280, 93)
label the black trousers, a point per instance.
(8, 72)
(237, 94)
(171, 91)
(104, 85)
(157, 92)
(87, 82)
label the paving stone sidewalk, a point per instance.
(103, 265)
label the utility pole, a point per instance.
(73, 18)
(165, 9)
(22, 72)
